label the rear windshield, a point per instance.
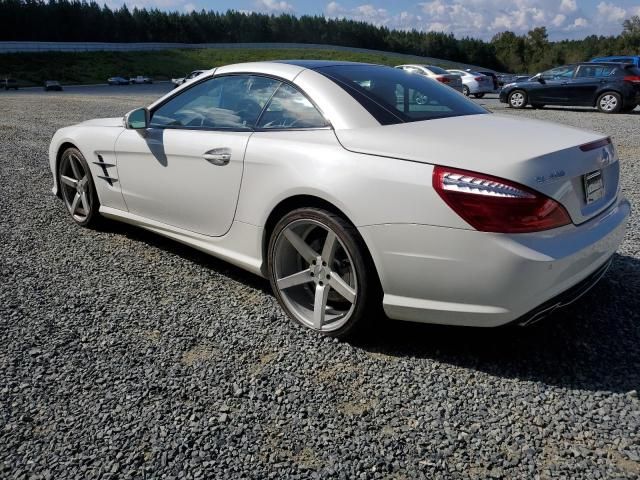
(394, 96)
(437, 70)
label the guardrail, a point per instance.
(15, 47)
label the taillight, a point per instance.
(587, 147)
(478, 79)
(443, 79)
(492, 204)
(632, 78)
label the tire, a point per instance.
(333, 271)
(478, 95)
(71, 168)
(517, 99)
(609, 102)
(466, 91)
(537, 106)
(629, 108)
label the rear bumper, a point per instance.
(465, 277)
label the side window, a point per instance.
(290, 109)
(559, 73)
(594, 71)
(231, 102)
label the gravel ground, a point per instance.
(125, 355)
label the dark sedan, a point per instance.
(608, 86)
(52, 85)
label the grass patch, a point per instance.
(95, 67)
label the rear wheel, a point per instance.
(609, 102)
(466, 90)
(320, 272)
(478, 95)
(517, 99)
(77, 188)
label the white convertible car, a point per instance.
(329, 179)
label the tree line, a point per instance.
(82, 21)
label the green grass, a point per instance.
(96, 67)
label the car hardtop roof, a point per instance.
(313, 64)
(602, 63)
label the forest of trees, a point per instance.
(73, 20)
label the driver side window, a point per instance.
(231, 102)
(291, 109)
(559, 73)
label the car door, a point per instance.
(554, 86)
(586, 83)
(185, 169)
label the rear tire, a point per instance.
(321, 273)
(77, 189)
(517, 99)
(609, 102)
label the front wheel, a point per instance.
(77, 188)
(320, 272)
(609, 102)
(466, 91)
(478, 95)
(517, 99)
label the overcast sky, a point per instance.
(476, 18)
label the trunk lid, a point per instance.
(543, 156)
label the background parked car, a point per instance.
(118, 81)
(437, 73)
(474, 83)
(493, 77)
(633, 59)
(610, 87)
(140, 79)
(54, 85)
(179, 81)
(9, 83)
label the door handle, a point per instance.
(218, 156)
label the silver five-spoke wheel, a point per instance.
(76, 186)
(318, 272)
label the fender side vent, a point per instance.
(102, 164)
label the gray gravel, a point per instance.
(125, 355)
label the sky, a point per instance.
(475, 18)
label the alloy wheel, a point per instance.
(75, 183)
(517, 99)
(608, 103)
(315, 275)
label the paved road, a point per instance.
(157, 88)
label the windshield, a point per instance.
(394, 96)
(436, 70)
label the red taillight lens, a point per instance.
(632, 78)
(478, 79)
(443, 79)
(587, 147)
(491, 204)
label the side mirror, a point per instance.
(137, 119)
(541, 79)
